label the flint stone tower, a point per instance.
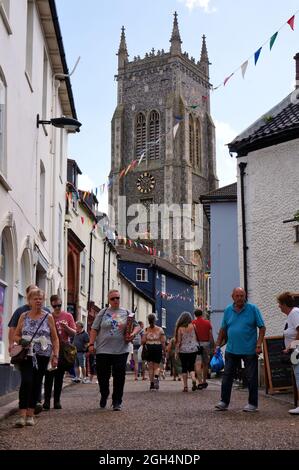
(154, 94)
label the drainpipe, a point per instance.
(103, 273)
(109, 259)
(242, 167)
(89, 274)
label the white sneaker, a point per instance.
(30, 421)
(221, 406)
(86, 381)
(294, 411)
(250, 408)
(21, 422)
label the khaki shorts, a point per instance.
(205, 356)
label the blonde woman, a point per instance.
(154, 338)
(186, 347)
(45, 345)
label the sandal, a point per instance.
(185, 389)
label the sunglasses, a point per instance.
(56, 306)
(114, 298)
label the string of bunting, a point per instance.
(182, 296)
(271, 40)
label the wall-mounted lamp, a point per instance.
(67, 123)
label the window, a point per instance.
(29, 38)
(83, 270)
(45, 87)
(140, 134)
(154, 133)
(92, 279)
(60, 236)
(2, 124)
(163, 317)
(4, 12)
(191, 139)
(141, 275)
(163, 284)
(197, 145)
(42, 182)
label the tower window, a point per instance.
(198, 145)
(154, 132)
(191, 139)
(140, 134)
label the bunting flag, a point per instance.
(244, 68)
(273, 39)
(204, 98)
(179, 118)
(257, 55)
(82, 220)
(141, 158)
(291, 22)
(122, 173)
(175, 129)
(128, 169)
(227, 79)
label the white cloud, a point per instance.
(85, 183)
(225, 164)
(204, 4)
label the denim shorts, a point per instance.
(296, 373)
(80, 359)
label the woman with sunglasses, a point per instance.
(112, 347)
(66, 328)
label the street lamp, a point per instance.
(63, 122)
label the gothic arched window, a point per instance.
(191, 139)
(140, 134)
(197, 145)
(154, 134)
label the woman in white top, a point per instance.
(291, 332)
(186, 346)
(154, 338)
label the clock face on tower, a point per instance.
(145, 183)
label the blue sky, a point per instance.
(234, 31)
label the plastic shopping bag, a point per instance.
(217, 362)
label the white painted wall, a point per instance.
(272, 196)
(26, 147)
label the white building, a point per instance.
(268, 169)
(33, 157)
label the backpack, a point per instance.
(67, 355)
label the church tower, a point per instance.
(162, 127)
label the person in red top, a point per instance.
(204, 335)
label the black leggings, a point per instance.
(31, 381)
(56, 377)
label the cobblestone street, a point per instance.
(167, 419)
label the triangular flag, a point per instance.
(291, 22)
(82, 220)
(244, 68)
(273, 39)
(175, 129)
(257, 55)
(227, 79)
(122, 173)
(178, 118)
(127, 170)
(141, 158)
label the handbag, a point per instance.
(19, 352)
(144, 352)
(67, 355)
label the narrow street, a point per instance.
(167, 419)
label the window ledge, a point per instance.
(5, 19)
(29, 81)
(42, 235)
(4, 182)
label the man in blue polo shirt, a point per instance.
(239, 326)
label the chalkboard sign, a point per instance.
(278, 374)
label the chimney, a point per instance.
(297, 70)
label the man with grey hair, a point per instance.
(81, 340)
(240, 323)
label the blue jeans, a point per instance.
(251, 373)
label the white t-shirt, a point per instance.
(291, 325)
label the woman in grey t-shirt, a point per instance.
(108, 329)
